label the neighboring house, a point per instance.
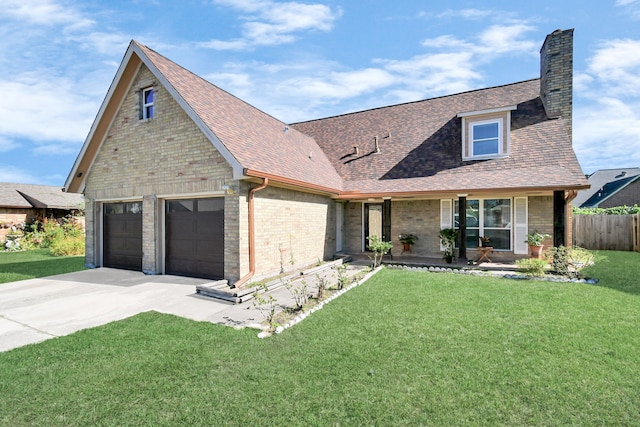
(181, 177)
(611, 187)
(24, 203)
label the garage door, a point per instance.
(122, 235)
(195, 238)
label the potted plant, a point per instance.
(407, 239)
(535, 243)
(448, 238)
(484, 241)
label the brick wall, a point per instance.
(293, 229)
(556, 75)
(167, 155)
(419, 217)
(541, 217)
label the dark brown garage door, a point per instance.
(123, 235)
(195, 238)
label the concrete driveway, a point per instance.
(35, 310)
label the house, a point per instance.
(181, 177)
(611, 187)
(24, 203)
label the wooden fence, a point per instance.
(607, 232)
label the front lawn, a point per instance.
(405, 348)
(35, 263)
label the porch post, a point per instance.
(559, 216)
(462, 226)
(386, 220)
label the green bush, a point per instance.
(64, 236)
(569, 261)
(532, 266)
(67, 246)
(616, 210)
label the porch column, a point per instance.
(462, 226)
(386, 220)
(559, 216)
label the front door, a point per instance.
(372, 222)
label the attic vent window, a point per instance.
(146, 104)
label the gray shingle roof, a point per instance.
(421, 145)
(598, 180)
(37, 196)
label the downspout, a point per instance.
(252, 237)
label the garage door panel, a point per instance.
(195, 238)
(122, 235)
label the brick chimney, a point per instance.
(556, 75)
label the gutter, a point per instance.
(252, 236)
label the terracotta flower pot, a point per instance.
(536, 251)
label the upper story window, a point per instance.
(485, 138)
(486, 134)
(146, 106)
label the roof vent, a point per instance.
(622, 174)
(355, 150)
(375, 138)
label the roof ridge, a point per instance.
(416, 102)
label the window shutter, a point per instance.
(140, 104)
(520, 228)
(446, 215)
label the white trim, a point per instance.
(446, 219)
(145, 105)
(488, 111)
(520, 229)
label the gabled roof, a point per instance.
(421, 145)
(420, 142)
(604, 184)
(27, 196)
(247, 138)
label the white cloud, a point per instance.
(272, 23)
(44, 12)
(44, 109)
(607, 122)
(607, 133)
(616, 64)
(13, 174)
(7, 144)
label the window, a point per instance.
(486, 134)
(485, 138)
(146, 106)
(488, 218)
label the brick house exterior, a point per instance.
(181, 177)
(25, 203)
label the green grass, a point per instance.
(35, 263)
(406, 348)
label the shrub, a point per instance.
(569, 261)
(616, 210)
(64, 236)
(67, 246)
(379, 248)
(532, 266)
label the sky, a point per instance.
(307, 59)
